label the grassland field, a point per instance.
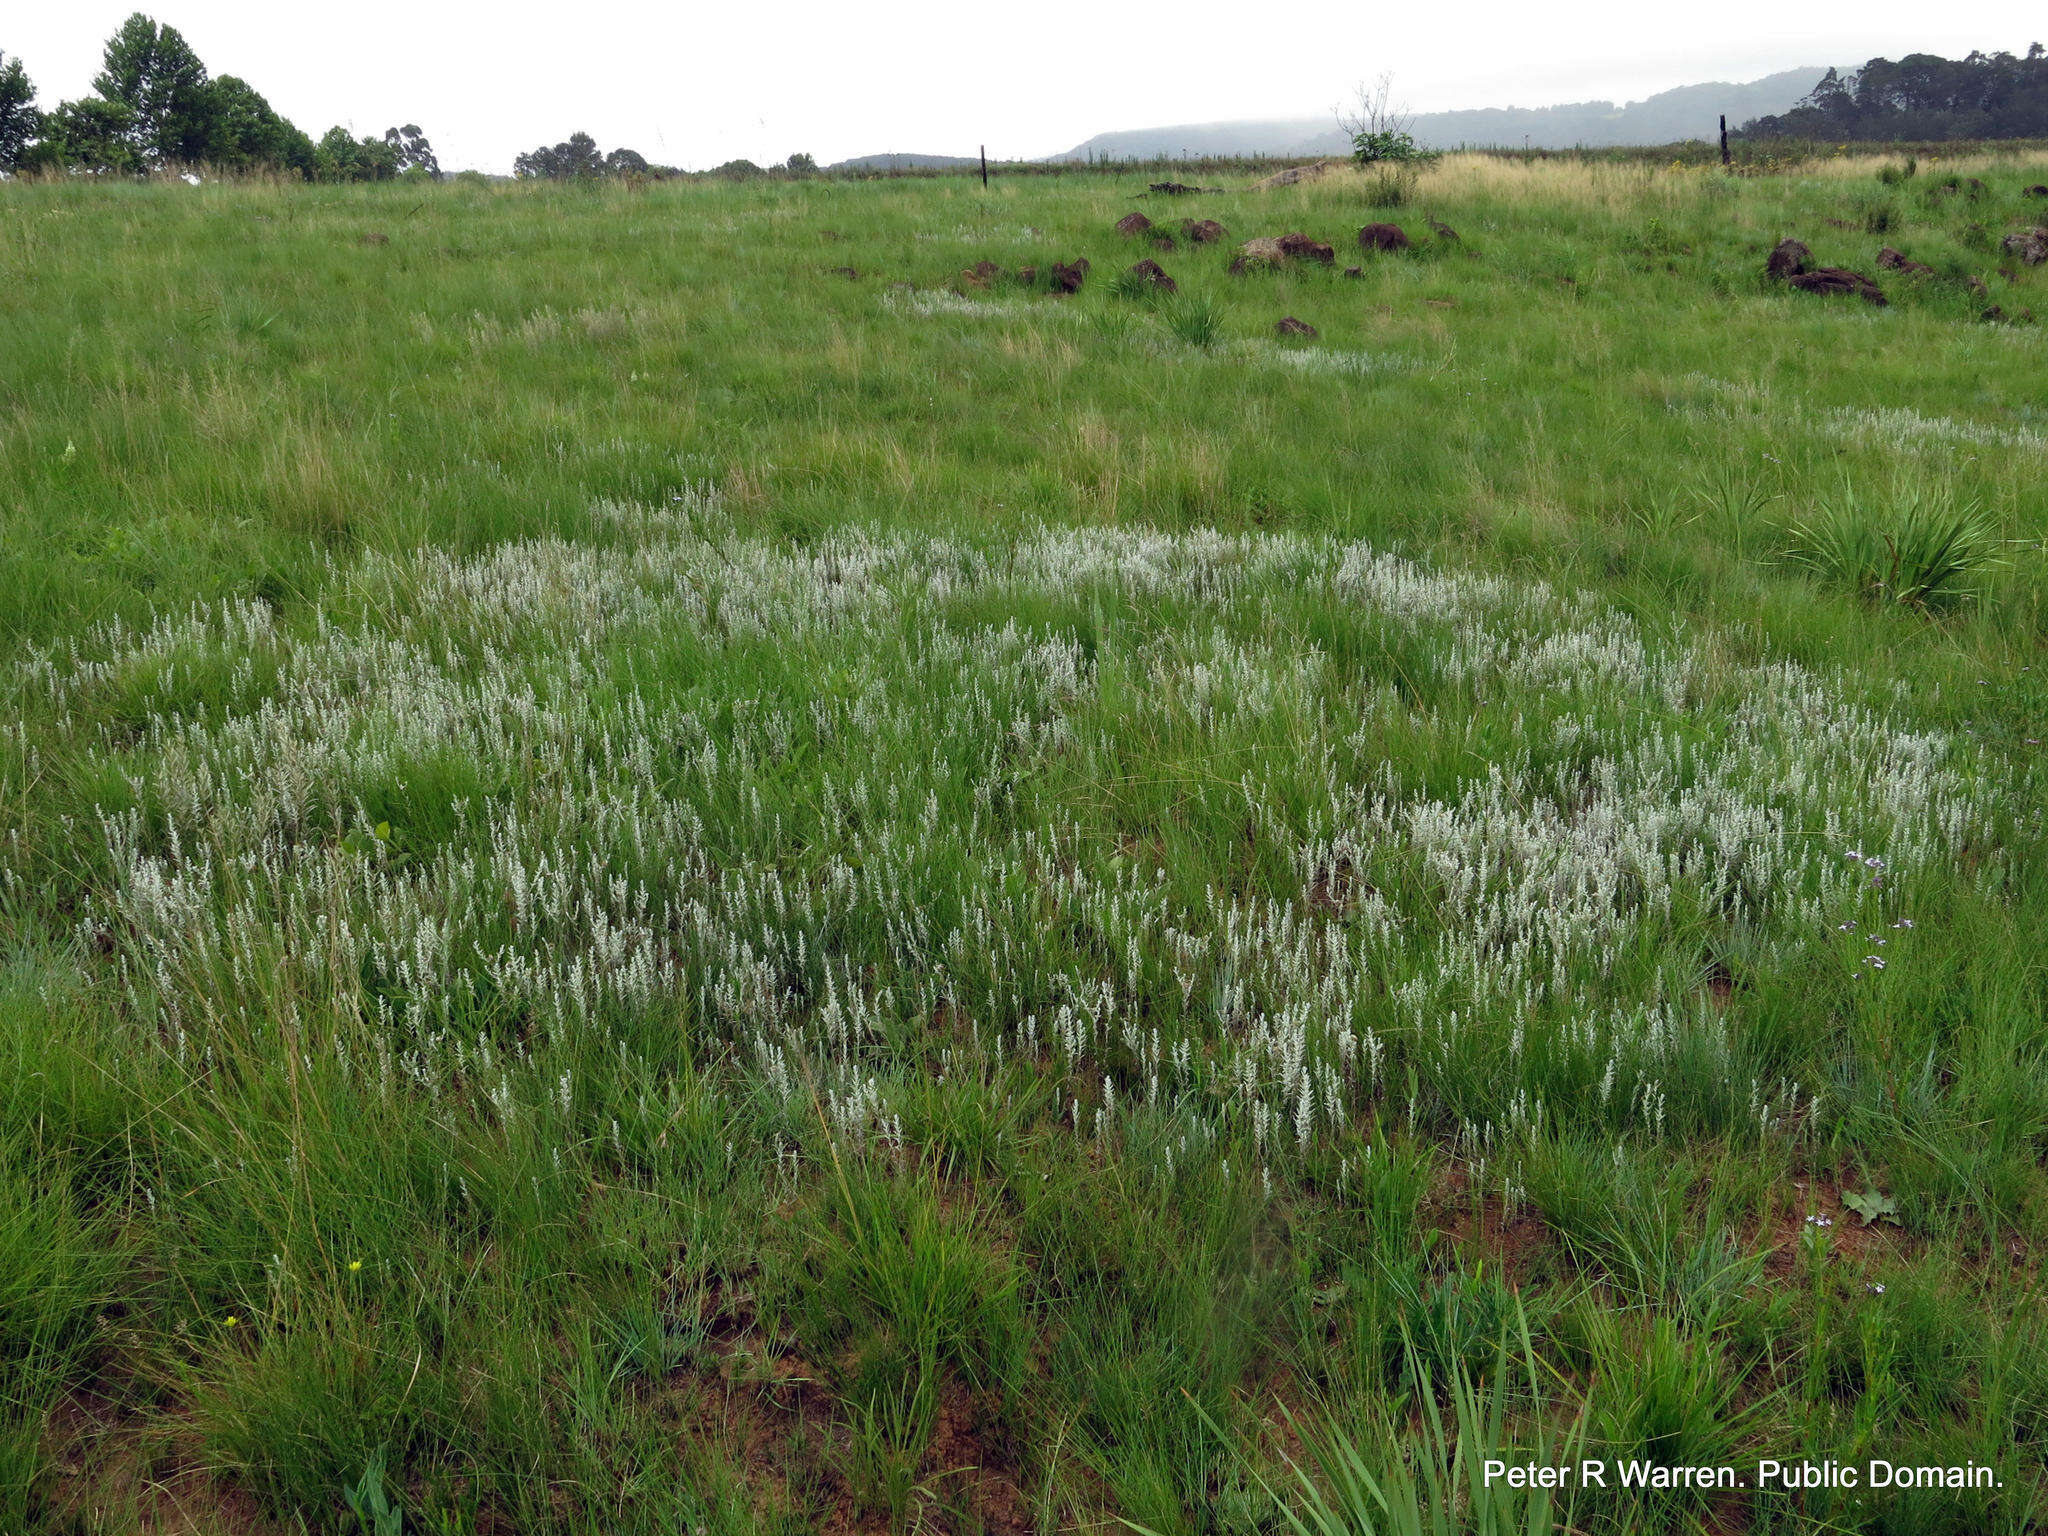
(645, 887)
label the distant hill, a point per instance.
(1686, 112)
(909, 162)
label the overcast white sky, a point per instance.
(697, 84)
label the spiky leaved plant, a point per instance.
(1925, 548)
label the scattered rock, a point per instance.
(1202, 231)
(375, 238)
(2037, 190)
(1133, 224)
(1838, 280)
(1995, 315)
(1027, 276)
(1162, 242)
(1291, 327)
(1296, 173)
(1304, 248)
(1382, 237)
(1354, 271)
(830, 234)
(1443, 231)
(1174, 188)
(980, 275)
(846, 272)
(1789, 259)
(1977, 288)
(1898, 261)
(2031, 246)
(1261, 253)
(1150, 272)
(1067, 276)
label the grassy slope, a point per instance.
(747, 889)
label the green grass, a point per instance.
(648, 888)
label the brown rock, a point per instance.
(1382, 237)
(1995, 315)
(1302, 247)
(1150, 272)
(1133, 224)
(1790, 258)
(1837, 280)
(1174, 188)
(846, 272)
(2037, 190)
(1354, 271)
(1977, 288)
(1291, 327)
(980, 275)
(2031, 246)
(1067, 276)
(1162, 242)
(1202, 231)
(1443, 231)
(1898, 261)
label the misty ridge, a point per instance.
(1684, 112)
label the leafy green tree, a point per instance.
(91, 133)
(152, 71)
(625, 162)
(375, 160)
(576, 156)
(802, 165)
(414, 155)
(340, 157)
(246, 133)
(20, 122)
(334, 157)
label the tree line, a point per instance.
(154, 105)
(1922, 97)
(577, 158)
